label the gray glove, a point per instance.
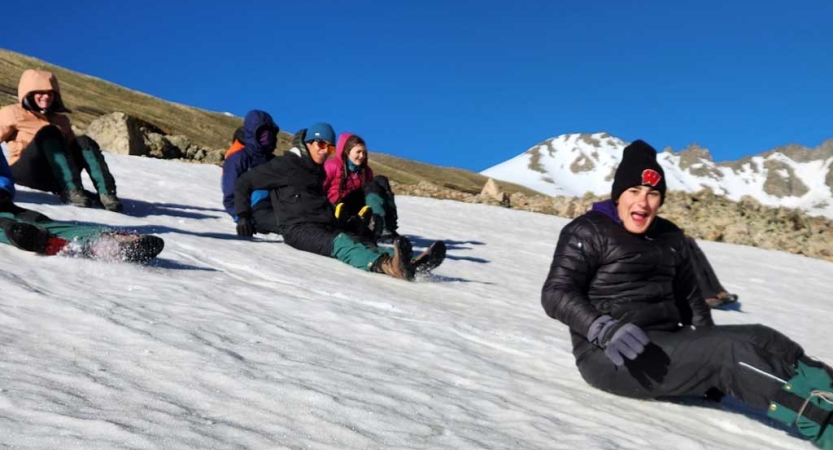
(618, 339)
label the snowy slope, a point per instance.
(232, 344)
(573, 164)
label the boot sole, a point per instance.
(26, 237)
(405, 252)
(433, 259)
(143, 249)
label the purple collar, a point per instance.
(607, 208)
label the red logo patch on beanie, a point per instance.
(651, 177)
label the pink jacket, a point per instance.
(336, 167)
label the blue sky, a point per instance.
(466, 84)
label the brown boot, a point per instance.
(398, 265)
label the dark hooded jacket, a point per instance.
(251, 155)
(295, 185)
(601, 268)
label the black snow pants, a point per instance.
(694, 362)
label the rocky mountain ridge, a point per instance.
(574, 164)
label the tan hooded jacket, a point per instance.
(19, 125)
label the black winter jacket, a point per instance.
(601, 268)
(296, 185)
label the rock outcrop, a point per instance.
(127, 135)
(703, 215)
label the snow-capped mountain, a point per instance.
(574, 164)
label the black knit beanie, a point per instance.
(639, 167)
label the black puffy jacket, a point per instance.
(601, 268)
(296, 188)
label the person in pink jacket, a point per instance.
(354, 191)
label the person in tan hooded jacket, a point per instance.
(44, 152)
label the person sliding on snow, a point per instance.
(255, 147)
(32, 231)
(714, 292)
(622, 280)
(354, 191)
(295, 181)
(44, 152)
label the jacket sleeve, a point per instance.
(6, 179)
(232, 169)
(693, 307)
(7, 123)
(331, 181)
(576, 259)
(270, 175)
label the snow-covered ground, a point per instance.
(233, 344)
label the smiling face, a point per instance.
(319, 150)
(43, 99)
(357, 154)
(637, 208)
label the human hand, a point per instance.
(618, 339)
(245, 227)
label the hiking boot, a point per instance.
(727, 297)
(118, 246)
(111, 203)
(76, 197)
(388, 236)
(398, 265)
(30, 238)
(722, 299)
(430, 259)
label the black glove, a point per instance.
(245, 227)
(618, 339)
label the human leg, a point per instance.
(45, 164)
(395, 261)
(87, 155)
(692, 362)
(379, 197)
(806, 401)
(711, 288)
(265, 219)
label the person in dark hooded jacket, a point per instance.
(622, 280)
(715, 294)
(259, 139)
(295, 184)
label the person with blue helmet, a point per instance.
(295, 182)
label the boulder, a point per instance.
(120, 133)
(492, 191)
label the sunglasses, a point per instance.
(325, 145)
